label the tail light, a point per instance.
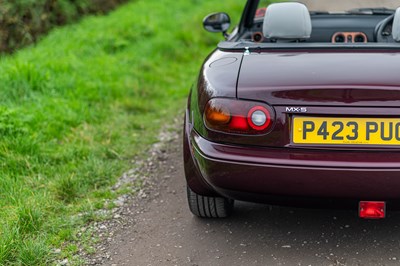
(238, 117)
(372, 209)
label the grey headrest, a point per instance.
(396, 26)
(287, 21)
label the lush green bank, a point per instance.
(77, 107)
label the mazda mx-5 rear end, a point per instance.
(288, 120)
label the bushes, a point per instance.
(22, 22)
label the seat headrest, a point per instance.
(396, 26)
(287, 21)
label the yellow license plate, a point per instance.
(346, 131)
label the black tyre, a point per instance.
(209, 207)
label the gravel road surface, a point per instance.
(162, 231)
(158, 229)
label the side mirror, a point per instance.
(217, 22)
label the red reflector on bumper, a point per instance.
(372, 209)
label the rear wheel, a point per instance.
(209, 207)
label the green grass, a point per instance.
(77, 107)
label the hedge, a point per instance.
(22, 22)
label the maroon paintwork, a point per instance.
(328, 82)
(254, 168)
(322, 78)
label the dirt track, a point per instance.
(162, 231)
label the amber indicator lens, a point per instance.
(238, 116)
(218, 115)
(372, 209)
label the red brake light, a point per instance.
(236, 116)
(372, 209)
(239, 123)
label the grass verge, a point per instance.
(78, 106)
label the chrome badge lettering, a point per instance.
(296, 110)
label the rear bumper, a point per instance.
(260, 174)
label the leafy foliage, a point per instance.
(22, 22)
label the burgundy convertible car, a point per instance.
(298, 104)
